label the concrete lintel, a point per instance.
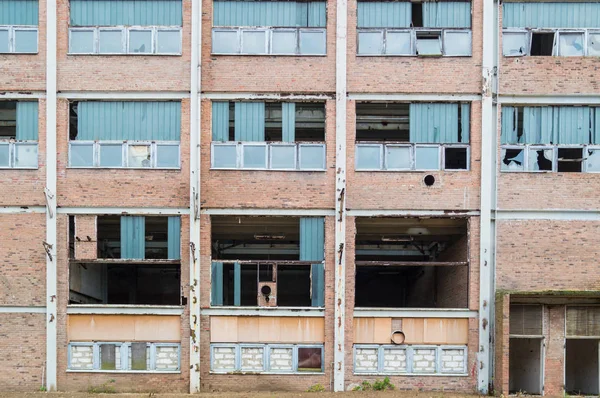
(563, 215)
(413, 97)
(413, 313)
(412, 213)
(109, 95)
(22, 209)
(287, 312)
(270, 212)
(579, 99)
(266, 96)
(22, 310)
(13, 95)
(124, 310)
(172, 211)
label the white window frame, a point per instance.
(305, 145)
(527, 41)
(252, 30)
(411, 156)
(365, 145)
(560, 32)
(585, 157)
(519, 147)
(283, 144)
(124, 348)
(268, 37)
(443, 160)
(12, 148)
(556, 44)
(11, 37)
(587, 40)
(125, 154)
(439, 148)
(125, 38)
(396, 30)
(531, 148)
(427, 31)
(444, 39)
(583, 148)
(255, 144)
(381, 37)
(297, 41)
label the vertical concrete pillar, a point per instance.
(502, 343)
(554, 364)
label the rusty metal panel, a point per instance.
(154, 328)
(252, 329)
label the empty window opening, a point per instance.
(310, 359)
(570, 160)
(525, 365)
(417, 15)
(382, 122)
(411, 263)
(73, 107)
(581, 373)
(513, 159)
(455, 158)
(540, 159)
(8, 120)
(542, 44)
(156, 231)
(526, 320)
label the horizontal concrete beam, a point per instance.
(287, 312)
(22, 310)
(414, 313)
(141, 95)
(265, 96)
(22, 209)
(10, 95)
(413, 97)
(556, 214)
(270, 212)
(173, 211)
(412, 213)
(78, 309)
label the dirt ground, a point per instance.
(362, 394)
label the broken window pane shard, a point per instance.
(571, 44)
(512, 159)
(514, 44)
(593, 160)
(540, 159)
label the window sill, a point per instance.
(243, 373)
(19, 168)
(123, 168)
(15, 53)
(411, 171)
(126, 371)
(317, 312)
(369, 312)
(277, 170)
(125, 54)
(413, 56)
(411, 374)
(116, 309)
(267, 55)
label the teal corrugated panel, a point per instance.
(317, 14)
(378, 14)
(573, 125)
(19, 12)
(27, 120)
(174, 237)
(509, 133)
(551, 15)
(596, 132)
(133, 232)
(433, 123)
(216, 285)
(220, 121)
(318, 285)
(446, 14)
(129, 120)
(465, 122)
(237, 284)
(269, 13)
(125, 12)
(312, 238)
(532, 124)
(249, 124)
(288, 118)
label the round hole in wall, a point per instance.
(398, 337)
(429, 180)
(265, 290)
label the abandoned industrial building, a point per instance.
(226, 195)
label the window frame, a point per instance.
(560, 32)
(283, 144)
(527, 41)
(542, 147)
(556, 42)
(443, 159)
(125, 154)
(381, 156)
(153, 37)
(256, 30)
(124, 37)
(296, 44)
(255, 144)
(411, 156)
(12, 38)
(12, 154)
(429, 32)
(585, 157)
(469, 32)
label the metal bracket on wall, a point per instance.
(49, 196)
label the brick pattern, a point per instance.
(86, 238)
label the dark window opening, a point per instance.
(542, 160)
(542, 44)
(570, 160)
(8, 120)
(429, 44)
(417, 15)
(581, 368)
(108, 357)
(310, 359)
(71, 236)
(525, 364)
(73, 120)
(155, 237)
(513, 157)
(109, 236)
(382, 122)
(455, 158)
(519, 116)
(293, 286)
(273, 121)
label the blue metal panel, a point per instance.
(312, 238)
(596, 132)
(379, 14)
(249, 124)
(446, 14)
(539, 126)
(465, 122)
(129, 120)
(433, 123)
(125, 12)
(509, 126)
(216, 285)
(19, 12)
(573, 125)
(220, 121)
(288, 118)
(174, 237)
(318, 285)
(269, 13)
(27, 120)
(237, 284)
(551, 15)
(133, 232)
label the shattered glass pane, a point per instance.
(224, 42)
(4, 155)
(514, 44)
(140, 41)
(3, 40)
(540, 159)
(368, 157)
(512, 159)
(82, 42)
(593, 44)
(427, 158)
(397, 158)
(592, 162)
(253, 42)
(370, 43)
(398, 43)
(139, 156)
(571, 44)
(570, 160)
(283, 42)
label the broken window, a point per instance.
(542, 43)
(540, 159)
(271, 358)
(593, 44)
(18, 134)
(268, 135)
(570, 160)
(149, 139)
(515, 44)
(429, 44)
(19, 26)
(526, 320)
(411, 263)
(267, 261)
(278, 27)
(513, 159)
(592, 160)
(456, 158)
(571, 44)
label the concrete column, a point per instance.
(554, 364)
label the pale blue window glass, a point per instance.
(168, 42)
(254, 42)
(457, 43)
(427, 158)
(138, 156)
(370, 43)
(111, 155)
(283, 157)
(254, 156)
(82, 42)
(167, 156)
(512, 159)
(224, 156)
(26, 155)
(398, 43)
(283, 42)
(140, 41)
(4, 155)
(397, 158)
(3, 40)
(312, 157)
(570, 44)
(25, 41)
(110, 42)
(368, 157)
(312, 42)
(514, 44)
(592, 161)
(82, 155)
(593, 44)
(225, 42)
